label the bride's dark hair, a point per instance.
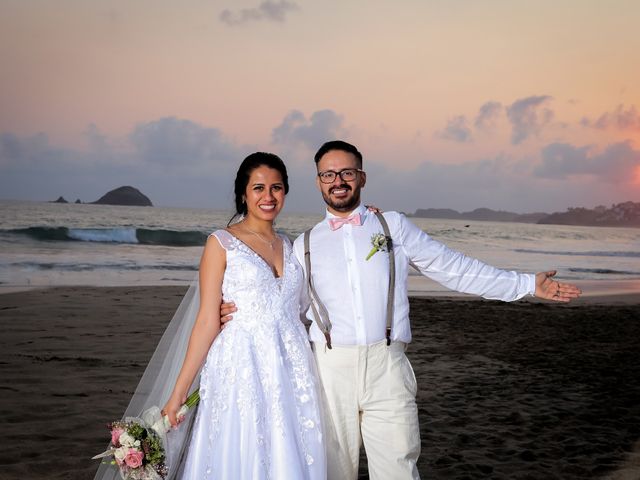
(247, 166)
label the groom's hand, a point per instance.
(226, 309)
(550, 289)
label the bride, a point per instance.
(259, 415)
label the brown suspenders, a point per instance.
(320, 313)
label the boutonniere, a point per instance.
(378, 242)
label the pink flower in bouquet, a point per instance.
(115, 436)
(134, 458)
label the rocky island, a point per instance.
(125, 196)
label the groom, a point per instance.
(358, 265)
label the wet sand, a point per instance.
(527, 390)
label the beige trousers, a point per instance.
(371, 392)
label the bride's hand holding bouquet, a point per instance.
(173, 410)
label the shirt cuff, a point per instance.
(531, 281)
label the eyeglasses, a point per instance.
(346, 174)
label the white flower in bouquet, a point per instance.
(119, 454)
(127, 440)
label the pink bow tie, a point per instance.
(336, 223)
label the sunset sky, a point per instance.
(514, 105)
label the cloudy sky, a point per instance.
(523, 106)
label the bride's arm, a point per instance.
(206, 327)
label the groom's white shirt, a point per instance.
(354, 290)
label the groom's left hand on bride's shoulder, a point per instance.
(373, 208)
(226, 310)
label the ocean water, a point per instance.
(48, 244)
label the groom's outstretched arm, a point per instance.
(459, 272)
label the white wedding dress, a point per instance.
(260, 410)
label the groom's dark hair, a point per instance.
(338, 145)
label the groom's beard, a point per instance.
(344, 204)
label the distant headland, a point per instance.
(626, 214)
(126, 195)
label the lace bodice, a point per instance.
(260, 296)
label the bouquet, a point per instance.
(138, 443)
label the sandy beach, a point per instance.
(527, 390)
